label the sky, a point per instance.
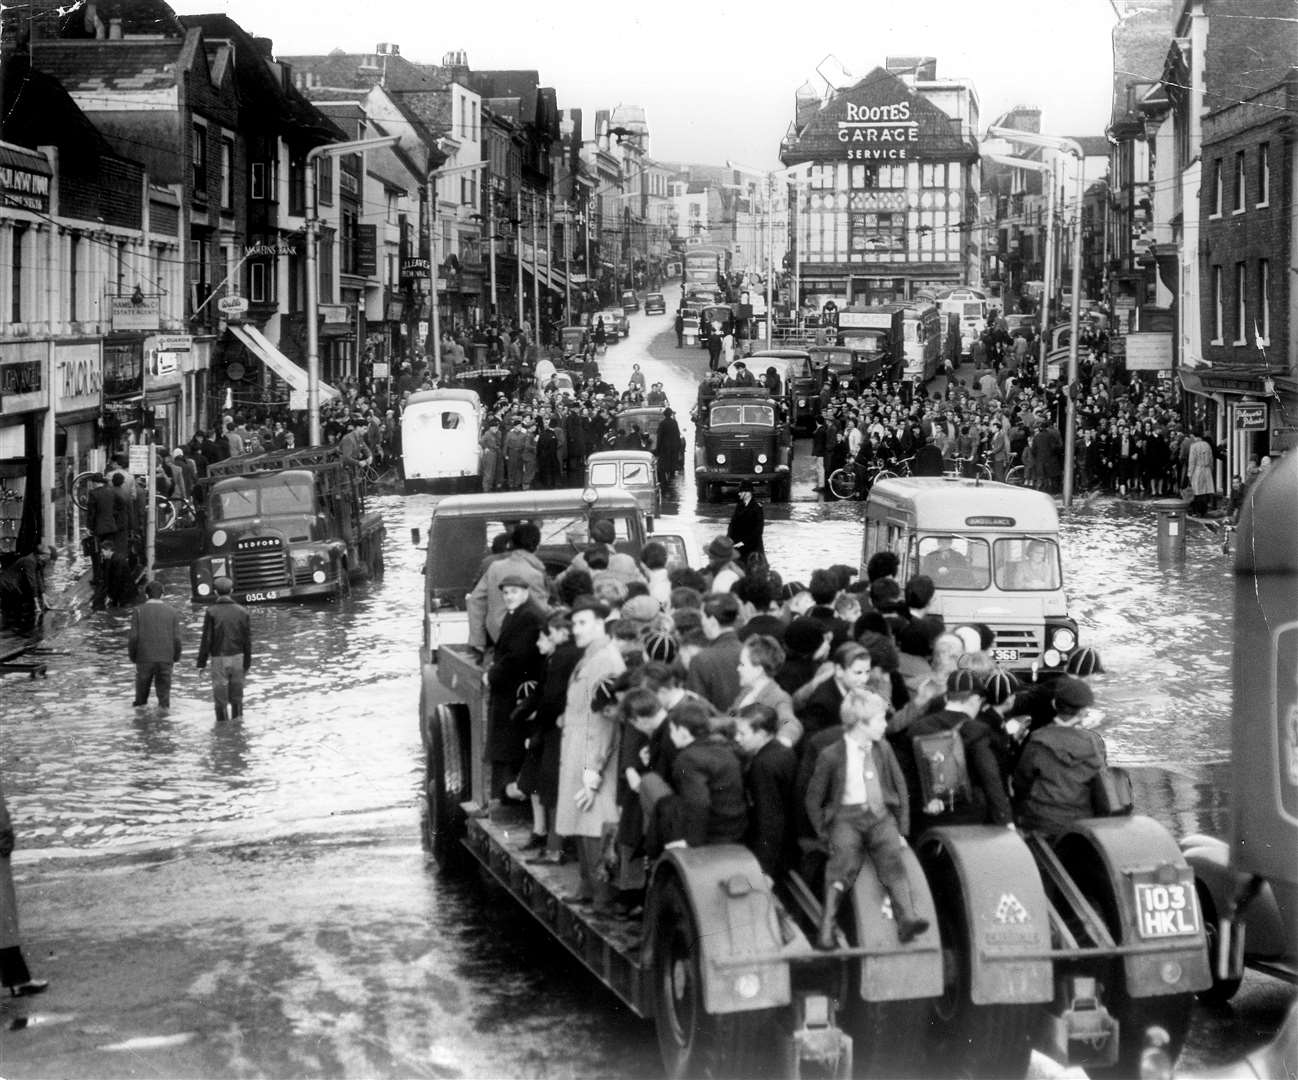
(717, 80)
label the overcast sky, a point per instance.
(718, 80)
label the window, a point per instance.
(326, 269)
(200, 162)
(74, 270)
(258, 180)
(16, 268)
(473, 120)
(1264, 174)
(1241, 304)
(257, 282)
(1031, 563)
(1238, 205)
(1218, 318)
(955, 562)
(227, 174)
(324, 181)
(296, 186)
(347, 234)
(1216, 189)
(1263, 322)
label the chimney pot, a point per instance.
(114, 29)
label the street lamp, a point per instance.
(1067, 146)
(355, 146)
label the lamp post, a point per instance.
(355, 146)
(1067, 146)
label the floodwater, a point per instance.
(311, 805)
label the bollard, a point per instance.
(1171, 527)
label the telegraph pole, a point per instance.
(491, 233)
(518, 229)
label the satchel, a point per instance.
(1111, 794)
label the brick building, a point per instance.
(1248, 306)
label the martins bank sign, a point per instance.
(878, 132)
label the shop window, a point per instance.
(296, 186)
(74, 271)
(1241, 304)
(326, 254)
(1263, 328)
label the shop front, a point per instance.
(123, 392)
(24, 414)
(164, 358)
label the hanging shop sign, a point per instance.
(1149, 352)
(1249, 416)
(416, 269)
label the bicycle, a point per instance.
(966, 468)
(844, 483)
(1016, 475)
(168, 513)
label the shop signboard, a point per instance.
(1249, 416)
(78, 377)
(22, 377)
(1149, 352)
(367, 250)
(335, 314)
(135, 313)
(24, 187)
(417, 269)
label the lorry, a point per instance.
(287, 525)
(742, 436)
(877, 331)
(1089, 950)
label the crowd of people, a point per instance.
(637, 707)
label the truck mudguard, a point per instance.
(906, 971)
(734, 915)
(1209, 858)
(1006, 917)
(1152, 886)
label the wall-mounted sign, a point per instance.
(367, 250)
(135, 312)
(1149, 352)
(416, 268)
(336, 314)
(265, 250)
(1249, 416)
(78, 377)
(22, 378)
(232, 305)
(24, 188)
(878, 132)
(175, 343)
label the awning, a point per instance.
(558, 282)
(255, 342)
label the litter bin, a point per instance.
(1171, 527)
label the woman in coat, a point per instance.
(14, 975)
(1199, 474)
(588, 750)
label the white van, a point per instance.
(440, 430)
(992, 551)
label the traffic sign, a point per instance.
(232, 305)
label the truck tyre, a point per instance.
(1221, 990)
(447, 778)
(965, 1039)
(1135, 1016)
(693, 1043)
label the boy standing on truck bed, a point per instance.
(858, 803)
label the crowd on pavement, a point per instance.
(637, 707)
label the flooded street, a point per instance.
(264, 881)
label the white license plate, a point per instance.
(1005, 654)
(1165, 910)
(257, 597)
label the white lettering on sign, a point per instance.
(1165, 910)
(891, 153)
(876, 133)
(80, 377)
(24, 182)
(898, 111)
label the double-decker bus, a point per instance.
(706, 264)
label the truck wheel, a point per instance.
(1221, 990)
(447, 778)
(965, 1039)
(885, 1033)
(694, 1043)
(376, 560)
(1135, 1016)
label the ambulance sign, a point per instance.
(1165, 910)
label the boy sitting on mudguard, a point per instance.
(858, 803)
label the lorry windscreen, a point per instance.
(272, 496)
(741, 416)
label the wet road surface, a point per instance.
(252, 899)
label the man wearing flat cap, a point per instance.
(515, 660)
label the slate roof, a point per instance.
(50, 19)
(343, 69)
(84, 67)
(521, 84)
(38, 111)
(1092, 145)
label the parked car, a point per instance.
(655, 304)
(630, 302)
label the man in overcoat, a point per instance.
(515, 660)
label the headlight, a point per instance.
(1051, 658)
(721, 459)
(757, 468)
(761, 458)
(204, 589)
(1064, 639)
(219, 537)
(748, 986)
(318, 577)
(802, 403)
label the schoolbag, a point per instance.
(943, 771)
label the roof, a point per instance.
(38, 111)
(87, 67)
(1092, 145)
(619, 455)
(1139, 48)
(514, 504)
(939, 498)
(519, 83)
(450, 393)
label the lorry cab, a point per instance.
(460, 532)
(632, 471)
(742, 437)
(439, 440)
(799, 385)
(845, 363)
(573, 340)
(877, 334)
(992, 551)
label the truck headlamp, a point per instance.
(1063, 639)
(219, 537)
(721, 459)
(204, 589)
(318, 577)
(761, 458)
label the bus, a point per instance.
(706, 264)
(992, 551)
(970, 307)
(921, 325)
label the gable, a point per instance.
(880, 118)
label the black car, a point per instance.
(654, 304)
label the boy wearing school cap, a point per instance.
(986, 800)
(1053, 779)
